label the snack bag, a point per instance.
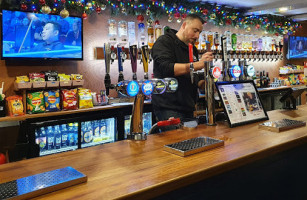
(63, 77)
(51, 75)
(85, 98)
(69, 99)
(15, 106)
(37, 77)
(22, 79)
(76, 77)
(52, 100)
(35, 102)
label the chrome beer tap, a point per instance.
(107, 59)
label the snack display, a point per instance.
(51, 75)
(52, 100)
(15, 106)
(69, 99)
(85, 98)
(35, 102)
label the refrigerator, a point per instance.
(60, 135)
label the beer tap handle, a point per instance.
(120, 59)
(133, 57)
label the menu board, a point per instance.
(241, 102)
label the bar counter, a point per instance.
(143, 170)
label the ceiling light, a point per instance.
(283, 9)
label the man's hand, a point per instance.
(208, 56)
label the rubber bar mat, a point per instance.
(39, 184)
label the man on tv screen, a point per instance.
(50, 36)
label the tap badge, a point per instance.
(250, 70)
(133, 88)
(172, 84)
(216, 72)
(147, 87)
(235, 71)
(159, 86)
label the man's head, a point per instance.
(51, 32)
(190, 29)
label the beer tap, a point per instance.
(133, 57)
(225, 61)
(145, 59)
(107, 59)
(121, 55)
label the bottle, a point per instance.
(234, 41)
(158, 29)
(210, 38)
(112, 31)
(123, 32)
(151, 38)
(141, 34)
(64, 133)
(57, 137)
(249, 42)
(203, 39)
(103, 129)
(42, 139)
(83, 130)
(254, 42)
(239, 41)
(228, 39)
(88, 132)
(50, 138)
(131, 33)
(216, 40)
(268, 79)
(71, 134)
(96, 131)
(259, 48)
(261, 82)
(75, 132)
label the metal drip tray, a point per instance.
(39, 184)
(281, 125)
(192, 146)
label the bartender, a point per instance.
(171, 59)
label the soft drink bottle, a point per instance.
(75, 129)
(234, 41)
(71, 134)
(103, 129)
(88, 132)
(96, 131)
(64, 132)
(57, 137)
(50, 138)
(42, 139)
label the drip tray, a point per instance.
(192, 146)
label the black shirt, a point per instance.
(167, 51)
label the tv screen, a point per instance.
(40, 36)
(297, 47)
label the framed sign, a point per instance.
(241, 102)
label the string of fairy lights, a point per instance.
(175, 11)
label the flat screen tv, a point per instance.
(28, 35)
(297, 47)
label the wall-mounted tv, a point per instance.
(40, 36)
(297, 47)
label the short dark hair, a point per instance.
(56, 26)
(194, 16)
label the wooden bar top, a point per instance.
(142, 170)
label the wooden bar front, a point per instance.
(142, 170)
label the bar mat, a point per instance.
(281, 125)
(39, 184)
(192, 146)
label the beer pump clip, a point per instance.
(133, 50)
(191, 62)
(121, 55)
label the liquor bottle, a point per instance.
(260, 45)
(216, 40)
(210, 39)
(254, 42)
(239, 41)
(131, 32)
(112, 31)
(158, 29)
(151, 38)
(234, 41)
(281, 43)
(249, 42)
(268, 79)
(261, 82)
(123, 32)
(141, 34)
(228, 39)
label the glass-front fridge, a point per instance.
(147, 123)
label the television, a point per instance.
(28, 35)
(297, 47)
(241, 102)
